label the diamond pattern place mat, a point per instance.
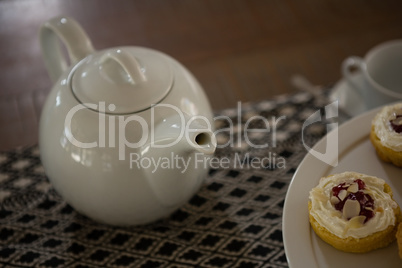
(234, 220)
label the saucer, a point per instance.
(349, 98)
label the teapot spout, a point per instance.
(203, 141)
(184, 135)
(196, 136)
(182, 147)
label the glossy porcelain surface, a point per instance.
(380, 69)
(125, 132)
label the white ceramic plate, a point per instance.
(302, 246)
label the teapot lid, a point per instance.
(127, 79)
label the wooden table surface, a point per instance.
(239, 50)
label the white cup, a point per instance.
(381, 69)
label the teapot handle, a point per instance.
(74, 38)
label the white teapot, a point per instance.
(126, 132)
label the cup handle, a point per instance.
(348, 65)
(74, 38)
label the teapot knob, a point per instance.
(74, 38)
(129, 71)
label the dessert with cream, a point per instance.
(386, 134)
(354, 212)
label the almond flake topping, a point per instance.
(334, 200)
(342, 194)
(353, 188)
(351, 209)
(357, 221)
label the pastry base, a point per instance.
(359, 245)
(399, 239)
(384, 153)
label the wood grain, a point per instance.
(239, 50)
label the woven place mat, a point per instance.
(234, 220)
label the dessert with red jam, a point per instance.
(396, 123)
(358, 203)
(386, 134)
(354, 212)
